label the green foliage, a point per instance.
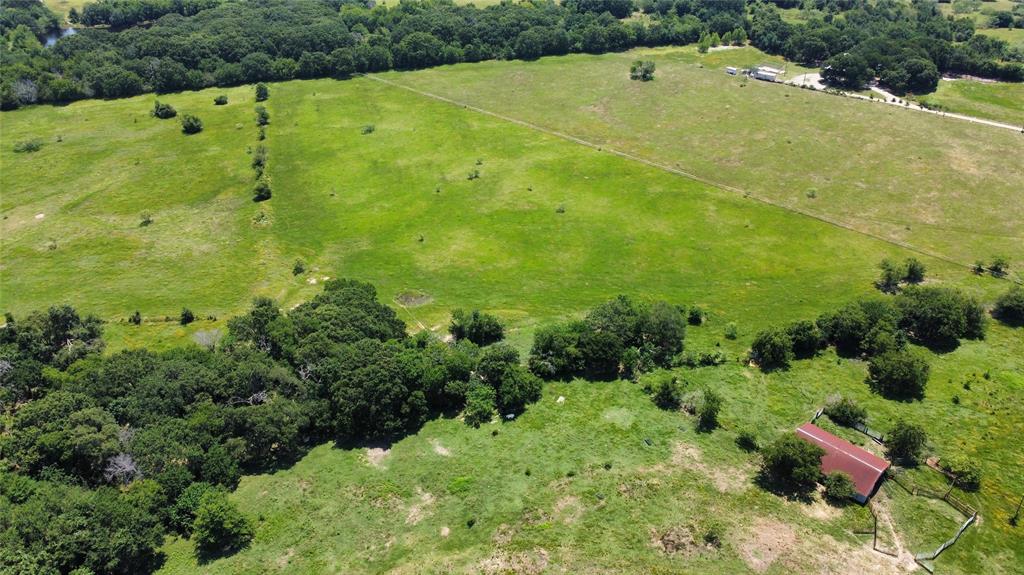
(28, 146)
(262, 116)
(846, 411)
(747, 441)
(182, 513)
(1009, 308)
(476, 326)
(191, 124)
(163, 111)
(806, 338)
(791, 464)
(939, 316)
(480, 404)
(838, 486)
(261, 191)
(905, 442)
(219, 526)
(901, 374)
(846, 70)
(966, 470)
(731, 331)
(187, 316)
(772, 349)
(695, 316)
(262, 92)
(642, 70)
(221, 100)
(668, 393)
(298, 268)
(707, 410)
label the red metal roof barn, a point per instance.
(840, 455)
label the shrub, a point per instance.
(707, 410)
(940, 316)
(262, 92)
(695, 316)
(891, 276)
(219, 526)
(642, 70)
(838, 486)
(998, 266)
(191, 124)
(298, 268)
(792, 464)
(28, 146)
(187, 316)
(731, 331)
(476, 326)
(221, 100)
(900, 374)
(261, 190)
(368, 129)
(163, 111)
(262, 116)
(1009, 308)
(259, 159)
(668, 393)
(914, 271)
(846, 411)
(747, 441)
(145, 219)
(136, 318)
(906, 441)
(967, 471)
(772, 349)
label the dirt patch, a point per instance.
(675, 541)
(503, 535)
(639, 487)
(420, 509)
(285, 559)
(440, 449)
(726, 478)
(568, 509)
(818, 508)
(840, 559)
(520, 563)
(375, 456)
(765, 543)
(413, 298)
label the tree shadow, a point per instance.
(207, 556)
(783, 488)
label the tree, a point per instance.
(191, 124)
(163, 111)
(906, 441)
(187, 316)
(419, 50)
(555, 353)
(900, 374)
(891, 276)
(602, 354)
(517, 389)
(262, 116)
(262, 92)
(772, 349)
(480, 404)
(806, 338)
(221, 100)
(966, 470)
(668, 393)
(1009, 308)
(915, 271)
(476, 326)
(707, 410)
(838, 486)
(642, 70)
(219, 526)
(938, 316)
(846, 70)
(792, 464)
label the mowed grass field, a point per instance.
(939, 184)
(548, 229)
(1000, 101)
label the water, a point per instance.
(53, 37)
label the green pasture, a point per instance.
(1000, 101)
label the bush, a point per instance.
(642, 70)
(747, 441)
(707, 410)
(998, 266)
(136, 318)
(838, 486)
(221, 100)
(262, 116)
(967, 471)
(905, 442)
(792, 464)
(900, 374)
(191, 124)
(480, 404)
(846, 411)
(668, 393)
(772, 349)
(261, 189)
(368, 129)
(262, 92)
(219, 526)
(915, 271)
(695, 316)
(1009, 308)
(298, 268)
(28, 146)
(476, 326)
(731, 331)
(187, 316)
(163, 111)
(940, 316)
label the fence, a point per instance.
(933, 554)
(910, 487)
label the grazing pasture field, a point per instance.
(442, 206)
(1000, 101)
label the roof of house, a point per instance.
(841, 455)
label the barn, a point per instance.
(865, 468)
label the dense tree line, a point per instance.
(108, 453)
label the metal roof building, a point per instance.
(865, 468)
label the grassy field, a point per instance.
(1015, 36)
(1000, 101)
(548, 229)
(62, 7)
(939, 184)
